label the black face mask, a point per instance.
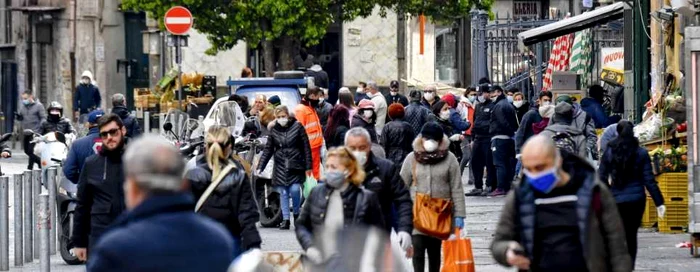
(314, 102)
(54, 118)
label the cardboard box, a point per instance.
(565, 80)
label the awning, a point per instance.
(572, 24)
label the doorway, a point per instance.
(136, 61)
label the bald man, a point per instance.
(560, 218)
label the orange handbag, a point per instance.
(458, 255)
(431, 216)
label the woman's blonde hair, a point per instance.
(266, 116)
(217, 139)
(356, 174)
(281, 108)
(519, 94)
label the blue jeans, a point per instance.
(293, 191)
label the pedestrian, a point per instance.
(274, 101)
(416, 114)
(441, 116)
(593, 106)
(242, 102)
(521, 106)
(394, 96)
(546, 113)
(324, 108)
(380, 105)
(583, 122)
(482, 155)
(289, 145)
(133, 129)
(246, 72)
(306, 114)
(503, 126)
(459, 124)
(466, 109)
(563, 133)
(382, 177)
(430, 96)
(31, 114)
(397, 137)
(160, 231)
(337, 203)
(55, 122)
(528, 121)
(316, 72)
(83, 148)
(360, 92)
(346, 99)
(100, 197)
(227, 199)
(432, 169)
(86, 98)
(626, 166)
(365, 118)
(258, 105)
(560, 218)
(609, 134)
(303, 60)
(338, 125)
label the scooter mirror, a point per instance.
(28, 132)
(5, 137)
(60, 137)
(168, 126)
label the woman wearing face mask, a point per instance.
(441, 116)
(521, 106)
(289, 145)
(337, 203)
(432, 169)
(365, 117)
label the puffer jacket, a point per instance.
(230, 204)
(443, 179)
(600, 226)
(482, 120)
(642, 177)
(384, 180)
(32, 115)
(365, 211)
(87, 96)
(397, 139)
(133, 129)
(504, 119)
(576, 135)
(416, 116)
(290, 147)
(64, 126)
(358, 121)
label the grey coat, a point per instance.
(442, 180)
(585, 125)
(31, 115)
(576, 135)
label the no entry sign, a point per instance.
(178, 20)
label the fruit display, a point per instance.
(670, 160)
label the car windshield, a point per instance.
(289, 96)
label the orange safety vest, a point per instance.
(309, 119)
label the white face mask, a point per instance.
(510, 98)
(518, 104)
(429, 96)
(494, 98)
(368, 114)
(394, 93)
(360, 90)
(320, 100)
(361, 157)
(430, 145)
(85, 81)
(283, 121)
(444, 115)
(481, 99)
(546, 103)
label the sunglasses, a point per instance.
(111, 132)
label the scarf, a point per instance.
(424, 157)
(540, 126)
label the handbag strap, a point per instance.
(215, 183)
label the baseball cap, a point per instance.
(94, 115)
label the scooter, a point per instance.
(4, 139)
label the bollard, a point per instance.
(36, 189)
(17, 182)
(51, 186)
(146, 122)
(4, 223)
(44, 217)
(27, 215)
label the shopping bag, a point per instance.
(309, 184)
(458, 255)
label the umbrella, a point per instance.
(580, 61)
(558, 59)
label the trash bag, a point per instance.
(458, 255)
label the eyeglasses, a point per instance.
(111, 132)
(428, 91)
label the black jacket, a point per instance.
(292, 152)
(100, 197)
(357, 121)
(313, 213)
(482, 119)
(397, 141)
(133, 129)
(231, 203)
(416, 116)
(320, 77)
(64, 126)
(399, 98)
(520, 112)
(503, 118)
(384, 179)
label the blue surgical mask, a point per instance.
(510, 98)
(25, 101)
(481, 99)
(335, 178)
(544, 181)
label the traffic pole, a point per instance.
(51, 185)
(37, 176)
(44, 217)
(27, 190)
(4, 223)
(17, 182)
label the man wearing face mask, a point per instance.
(324, 108)
(417, 114)
(86, 98)
(541, 229)
(394, 96)
(55, 122)
(430, 96)
(380, 106)
(382, 177)
(31, 114)
(525, 131)
(360, 92)
(481, 146)
(503, 126)
(306, 114)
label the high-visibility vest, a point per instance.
(309, 119)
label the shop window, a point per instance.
(446, 54)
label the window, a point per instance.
(446, 54)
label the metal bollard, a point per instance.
(17, 182)
(4, 223)
(146, 122)
(36, 190)
(44, 217)
(51, 186)
(27, 215)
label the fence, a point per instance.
(497, 55)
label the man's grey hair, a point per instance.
(358, 132)
(430, 87)
(372, 85)
(154, 164)
(118, 100)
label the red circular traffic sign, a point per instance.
(178, 20)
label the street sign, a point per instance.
(178, 20)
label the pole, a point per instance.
(44, 217)
(27, 189)
(36, 189)
(4, 223)
(178, 60)
(17, 182)
(147, 122)
(51, 185)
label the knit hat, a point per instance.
(415, 95)
(274, 100)
(564, 98)
(450, 100)
(396, 111)
(366, 104)
(546, 111)
(432, 131)
(94, 115)
(563, 113)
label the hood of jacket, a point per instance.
(361, 122)
(564, 128)
(87, 74)
(577, 110)
(121, 111)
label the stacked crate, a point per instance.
(650, 217)
(674, 187)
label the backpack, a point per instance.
(564, 141)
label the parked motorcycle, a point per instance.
(4, 138)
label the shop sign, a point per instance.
(613, 57)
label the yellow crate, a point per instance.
(666, 226)
(649, 218)
(673, 184)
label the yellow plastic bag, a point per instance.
(458, 255)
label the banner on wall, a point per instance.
(612, 60)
